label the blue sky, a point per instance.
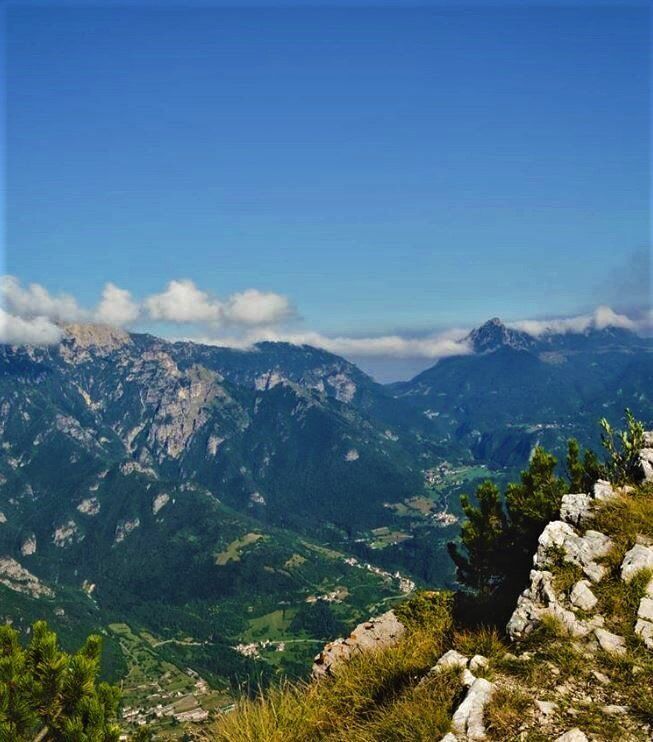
(385, 169)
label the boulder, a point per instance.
(546, 708)
(582, 597)
(638, 558)
(609, 642)
(644, 629)
(467, 720)
(598, 543)
(575, 508)
(478, 662)
(645, 610)
(573, 735)
(603, 491)
(451, 659)
(646, 463)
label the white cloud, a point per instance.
(183, 302)
(600, 319)
(34, 331)
(31, 315)
(36, 301)
(390, 346)
(117, 307)
(253, 307)
(606, 317)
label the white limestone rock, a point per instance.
(467, 720)
(638, 558)
(603, 491)
(90, 506)
(546, 708)
(644, 629)
(609, 642)
(573, 735)
(14, 576)
(575, 508)
(646, 463)
(598, 543)
(540, 600)
(124, 528)
(582, 596)
(65, 534)
(451, 659)
(468, 678)
(28, 547)
(645, 610)
(603, 679)
(160, 501)
(579, 550)
(478, 662)
(383, 631)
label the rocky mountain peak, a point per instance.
(95, 335)
(494, 335)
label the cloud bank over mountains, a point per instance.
(32, 315)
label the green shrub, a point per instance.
(623, 449)
(47, 694)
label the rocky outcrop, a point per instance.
(160, 501)
(539, 600)
(89, 506)
(582, 596)
(609, 642)
(28, 547)
(640, 559)
(646, 462)
(124, 528)
(14, 576)
(569, 541)
(467, 722)
(377, 633)
(564, 539)
(65, 534)
(575, 508)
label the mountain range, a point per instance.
(191, 490)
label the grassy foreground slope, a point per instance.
(545, 685)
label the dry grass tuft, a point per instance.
(484, 640)
(506, 713)
(369, 695)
